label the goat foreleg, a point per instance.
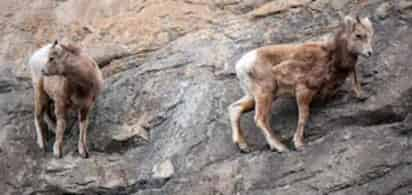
(61, 126)
(84, 121)
(356, 88)
(303, 97)
(262, 119)
(39, 109)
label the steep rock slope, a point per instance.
(161, 124)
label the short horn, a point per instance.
(358, 19)
(55, 43)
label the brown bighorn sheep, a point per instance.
(301, 70)
(72, 80)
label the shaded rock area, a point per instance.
(161, 124)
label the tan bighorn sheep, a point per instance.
(300, 70)
(72, 80)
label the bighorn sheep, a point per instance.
(72, 80)
(300, 70)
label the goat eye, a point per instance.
(358, 36)
(51, 59)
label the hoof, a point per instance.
(361, 96)
(299, 148)
(41, 144)
(281, 149)
(84, 155)
(299, 145)
(57, 151)
(58, 154)
(244, 148)
(44, 149)
(83, 152)
(298, 142)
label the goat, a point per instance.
(304, 71)
(72, 80)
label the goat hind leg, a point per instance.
(49, 117)
(245, 104)
(303, 98)
(61, 126)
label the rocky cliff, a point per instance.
(161, 125)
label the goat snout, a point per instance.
(44, 72)
(369, 53)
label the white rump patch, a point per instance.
(37, 61)
(243, 67)
(246, 62)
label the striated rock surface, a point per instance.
(161, 125)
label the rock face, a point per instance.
(161, 125)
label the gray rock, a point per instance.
(384, 10)
(161, 125)
(338, 4)
(164, 169)
(405, 7)
(105, 54)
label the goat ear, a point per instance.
(70, 48)
(349, 23)
(365, 21)
(55, 43)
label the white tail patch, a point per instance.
(243, 67)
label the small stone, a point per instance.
(163, 170)
(347, 136)
(408, 120)
(384, 10)
(405, 8)
(405, 4)
(338, 4)
(8, 15)
(275, 7)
